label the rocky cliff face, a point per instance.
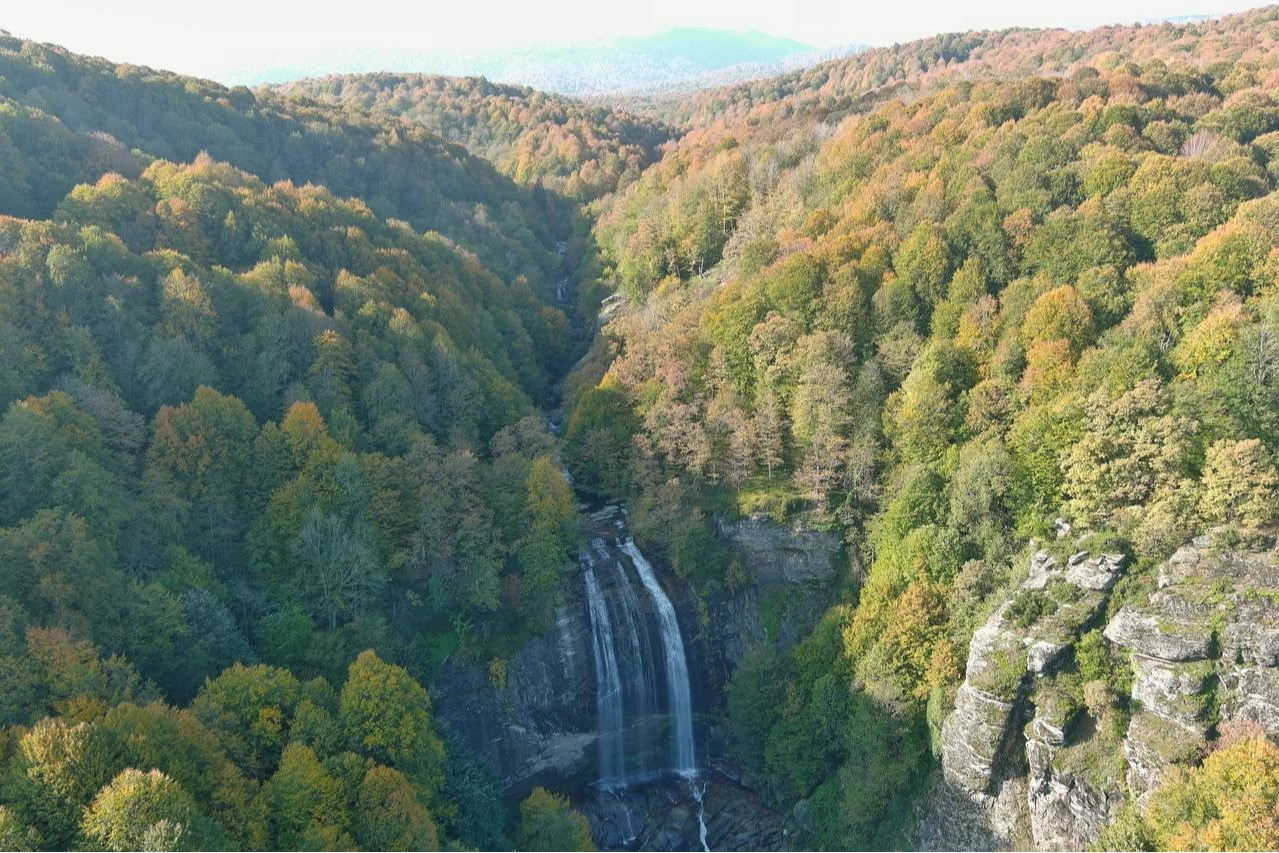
(793, 570)
(1024, 764)
(1005, 781)
(1205, 647)
(538, 727)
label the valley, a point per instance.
(879, 453)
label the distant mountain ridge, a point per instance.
(607, 65)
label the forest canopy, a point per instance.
(271, 452)
(276, 368)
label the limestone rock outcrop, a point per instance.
(1202, 643)
(1204, 646)
(1004, 781)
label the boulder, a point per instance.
(1043, 567)
(1098, 574)
(1174, 691)
(1043, 655)
(1165, 635)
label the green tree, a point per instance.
(206, 446)
(308, 808)
(176, 743)
(13, 835)
(58, 768)
(1131, 446)
(924, 262)
(187, 310)
(597, 441)
(389, 815)
(921, 418)
(755, 697)
(1059, 314)
(548, 823)
(387, 716)
(1240, 484)
(147, 811)
(1229, 803)
(249, 708)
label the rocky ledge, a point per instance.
(1002, 784)
(1024, 764)
(1204, 648)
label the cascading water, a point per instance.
(679, 694)
(643, 697)
(643, 693)
(644, 720)
(608, 686)
(699, 796)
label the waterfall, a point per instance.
(643, 699)
(608, 686)
(644, 718)
(679, 696)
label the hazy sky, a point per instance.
(223, 38)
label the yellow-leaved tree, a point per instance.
(1230, 802)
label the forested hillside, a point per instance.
(1031, 282)
(838, 87)
(576, 150)
(254, 430)
(67, 119)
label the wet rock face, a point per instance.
(540, 725)
(664, 816)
